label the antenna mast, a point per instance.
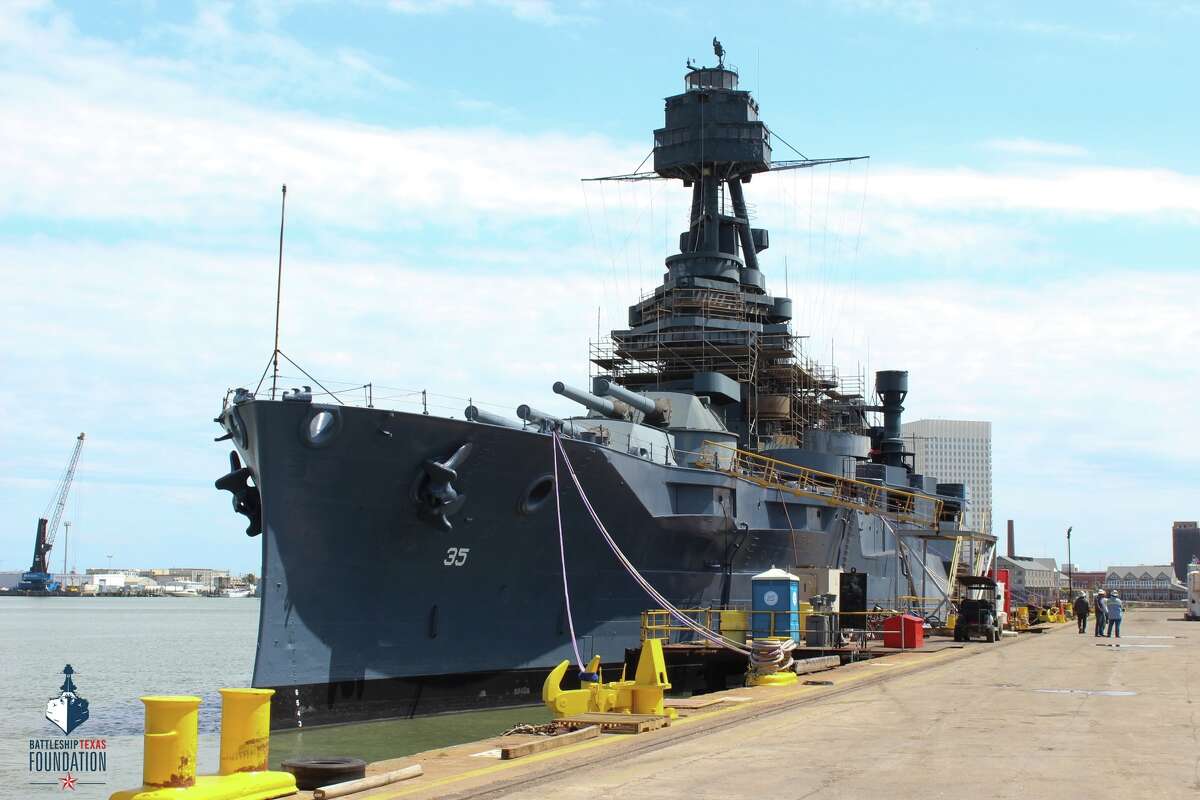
(278, 290)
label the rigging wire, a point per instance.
(562, 551)
(711, 636)
(612, 259)
(785, 141)
(592, 233)
(310, 377)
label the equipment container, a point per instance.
(903, 631)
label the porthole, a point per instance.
(320, 426)
(539, 493)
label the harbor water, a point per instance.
(122, 648)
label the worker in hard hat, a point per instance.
(1115, 610)
(1081, 608)
(1098, 606)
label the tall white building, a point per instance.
(957, 451)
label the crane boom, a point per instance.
(59, 501)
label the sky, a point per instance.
(1024, 238)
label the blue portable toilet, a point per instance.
(775, 591)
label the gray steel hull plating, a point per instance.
(369, 611)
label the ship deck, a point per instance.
(1057, 714)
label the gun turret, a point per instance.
(475, 414)
(613, 409)
(642, 403)
(543, 420)
(658, 412)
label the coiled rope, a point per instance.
(705, 633)
(769, 656)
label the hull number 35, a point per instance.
(456, 556)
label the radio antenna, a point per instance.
(278, 291)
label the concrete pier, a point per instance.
(1056, 714)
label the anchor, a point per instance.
(437, 499)
(246, 499)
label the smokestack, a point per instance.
(1012, 541)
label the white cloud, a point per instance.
(1080, 191)
(542, 12)
(137, 340)
(81, 119)
(1078, 376)
(1033, 147)
(1060, 30)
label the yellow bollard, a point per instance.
(245, 729)
(169, 768)
(171, 741)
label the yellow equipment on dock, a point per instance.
(171, 745)
(771, 662)
(642, 695)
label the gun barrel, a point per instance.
(601, 405)
(475, 414)
(642, 403)
(530, 414)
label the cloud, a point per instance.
(1077, 376)
(80, 118)
(1086, 192)
(1033, 147)
(470, 263)
(1086, 382)
(542, 12)
(1059, 30)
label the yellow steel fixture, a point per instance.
(171, 741)
(569, 702)
(650, 680)
(642, 695)
(169, 761)
(245, 729)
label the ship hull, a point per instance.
(371, 609)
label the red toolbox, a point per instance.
(903, 631)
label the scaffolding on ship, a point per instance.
(786, 392)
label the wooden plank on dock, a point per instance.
(806, 665)
(617, 723)
(548, 742)
(700, 701)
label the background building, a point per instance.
(1154, 582)
(1086, 581)
(1185, 545)
(1031, 579)
(957, 451)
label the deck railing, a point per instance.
(872, 498)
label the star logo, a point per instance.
(68, 782)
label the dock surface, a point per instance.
(1055, 714)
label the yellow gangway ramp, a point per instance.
(171, 747)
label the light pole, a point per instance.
(110, 562)
(1070, 568)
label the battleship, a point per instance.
(411, 563)
(67, 711)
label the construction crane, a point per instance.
(38, 578)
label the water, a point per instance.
(122, 648)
